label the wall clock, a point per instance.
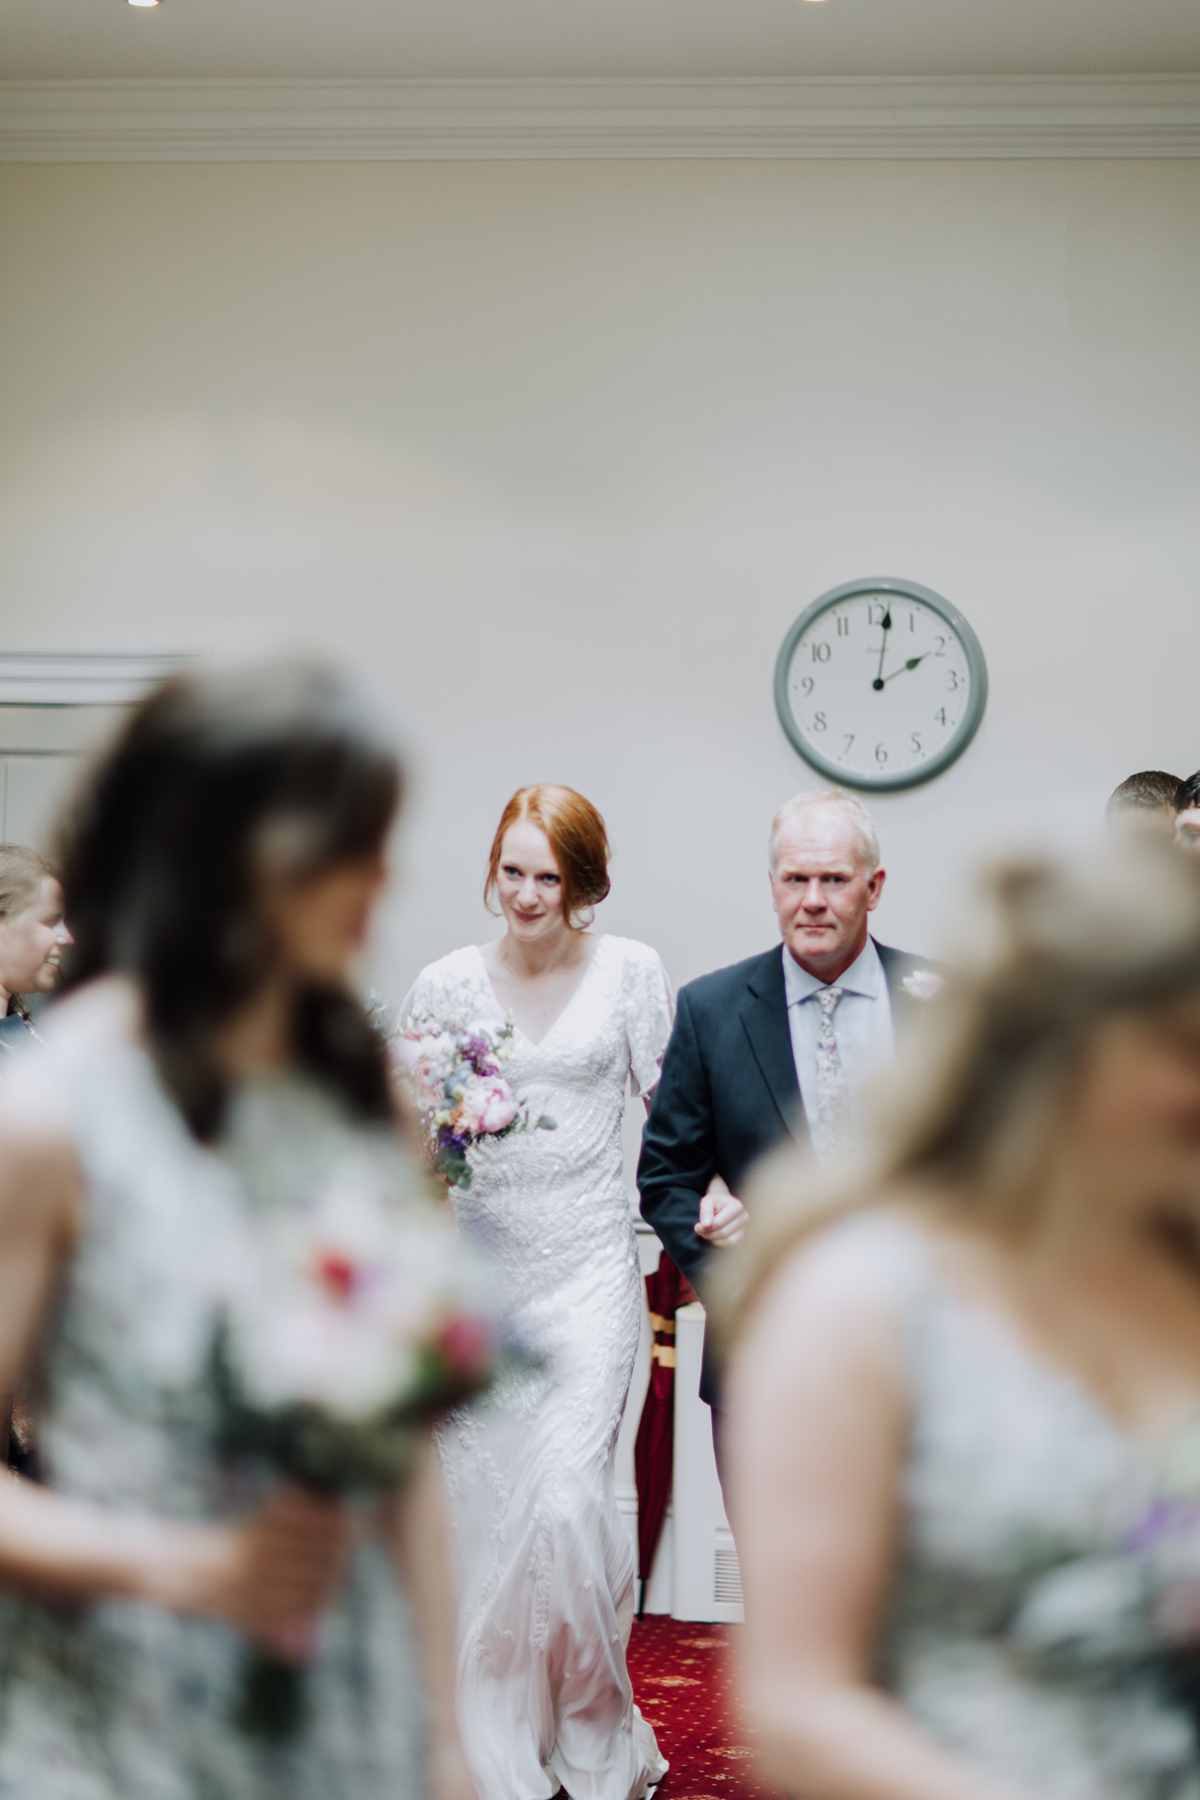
(880, 684)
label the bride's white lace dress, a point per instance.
(546, 1563)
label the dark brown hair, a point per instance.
(577, 837)
(1144, 792)
(1187, 794)
(163, 860)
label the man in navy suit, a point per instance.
(781, 1043)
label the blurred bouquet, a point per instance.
(1165, 1537)
(1139, 1598)
(453, 1076)
(346, 1328)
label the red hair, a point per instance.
(577, 837)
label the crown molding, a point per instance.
(384, 121)
(85, 677)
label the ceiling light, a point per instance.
(143, 2)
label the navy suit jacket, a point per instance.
(728, 1094)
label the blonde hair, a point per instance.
(849, 804)
(22, 872)
(1059, 947)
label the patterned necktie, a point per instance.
(831, 1129)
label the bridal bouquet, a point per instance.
(345, 1328)
(454, 1077)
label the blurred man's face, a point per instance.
(1142, 821)
(1187, 831)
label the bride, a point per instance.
(546, 1564)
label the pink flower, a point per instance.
(428, 1073)
(466, 1343)
(487, 1105)
(338, 1274)
(404, 1053)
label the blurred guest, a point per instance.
(1187, 815)
(33, 936)
(1143, 802)
(964, 1469)
(782, 1043)
(208, 1080)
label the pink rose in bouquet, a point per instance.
(487, 1106)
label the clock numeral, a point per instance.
(941, 646)
(876, 606)
(843, 626)
(880, 755)
(912, 621)
(849, 741)
(821, 653)
(807, 684)
(916, 744)
(952, 685)
(940, 715)
(819, 722)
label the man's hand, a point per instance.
(722, 1219)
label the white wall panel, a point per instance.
(34, 788)
(557, 451)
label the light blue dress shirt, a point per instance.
(862, 1023)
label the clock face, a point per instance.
(880, 684)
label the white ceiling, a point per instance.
(381, 39)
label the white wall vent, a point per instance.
(727, 1575)
(708, 1582)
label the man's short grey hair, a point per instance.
(852, 808)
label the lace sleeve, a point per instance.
(649, 1015)
(427, 995)
(419, 999)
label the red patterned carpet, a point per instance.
(683, 1682)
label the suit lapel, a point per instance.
(765, 1020)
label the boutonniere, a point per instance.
(922, 984)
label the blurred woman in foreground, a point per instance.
(966, 1396)
(210, 1071)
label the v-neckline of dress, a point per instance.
(537, 1043)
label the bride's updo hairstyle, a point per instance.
(577, 837)
(1057, 949)
(218, 782)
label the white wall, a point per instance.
(558, 451)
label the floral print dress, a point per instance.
(125, 1701)
(1028, 1625)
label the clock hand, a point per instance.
(887, 626)
(910, 664)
